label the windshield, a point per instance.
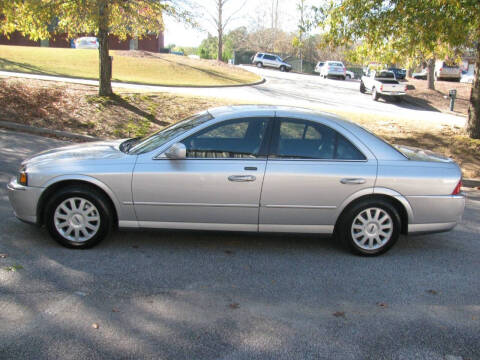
(159, 138)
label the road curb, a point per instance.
(43, 131)
(117, 83)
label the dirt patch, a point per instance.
(78, 109)
(438, 98)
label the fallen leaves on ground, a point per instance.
(234, 306)
(3, 256)
(95, 326)
(433, 292)
(339, 314)
(382, 305)
(13, 268)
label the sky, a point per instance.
(181, 35)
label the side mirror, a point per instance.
(176, 151)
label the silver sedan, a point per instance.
(243, 168)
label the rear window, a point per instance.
(332, 63)
(385, 75)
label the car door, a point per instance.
(269, 60)
(217, 186)
(311, 170)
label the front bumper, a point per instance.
(24, 200)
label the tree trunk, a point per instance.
(105, 76)
(220, 30)
(431, 74)
(473, 123)
(410, 72)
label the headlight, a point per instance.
(22, 177)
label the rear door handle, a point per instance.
(241, 178)
(353, 181)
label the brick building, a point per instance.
(151, 43)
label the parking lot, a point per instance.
(203, 295)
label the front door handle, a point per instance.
(354, 181)
(241, 178)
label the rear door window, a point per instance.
(304, 139)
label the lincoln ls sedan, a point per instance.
(243, 168)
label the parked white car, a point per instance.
(445, 70)
(467, 78)
(87, 42)
(382, 84)
(333, 69)
(318, 67)
(421, 75)
(349, 74)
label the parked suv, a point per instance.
(447, 70)
(270, 60)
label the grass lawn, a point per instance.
(129, 66)
(77, 108)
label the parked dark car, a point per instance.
(400, 74)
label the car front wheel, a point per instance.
(375, 95)
(259, 65)
(370, 227)
(282, 68)
(78, 217)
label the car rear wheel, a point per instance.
(259, 65)
(348, 77)
(370, 227)
(375, 95)
(282, 68)
(363, 90)
(78, 217)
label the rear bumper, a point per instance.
(389, 93)
(24, 200)
(435, 213)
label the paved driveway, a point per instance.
(282, 88)
(198, 295)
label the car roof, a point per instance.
(381, 149)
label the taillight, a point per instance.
(406, 88)
(381, 87)
(344, 70)
(456, 191)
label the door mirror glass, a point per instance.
(176, 151)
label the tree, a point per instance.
(221, 20)
(434, 28)
(305, 24)
(42, 19)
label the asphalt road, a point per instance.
(200, 295)
(282, 88)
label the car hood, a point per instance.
(99, 150)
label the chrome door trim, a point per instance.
(301, 206)
(154, 203)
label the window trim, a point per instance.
(272, 155)
(264, 146)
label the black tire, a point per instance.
(282, 68)
(342, 77)
(375, 95)
(348, 77)
(259, 64)
(345, 226)
(96, 198)
(363, 90)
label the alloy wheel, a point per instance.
(372, 228)
(77, 219)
